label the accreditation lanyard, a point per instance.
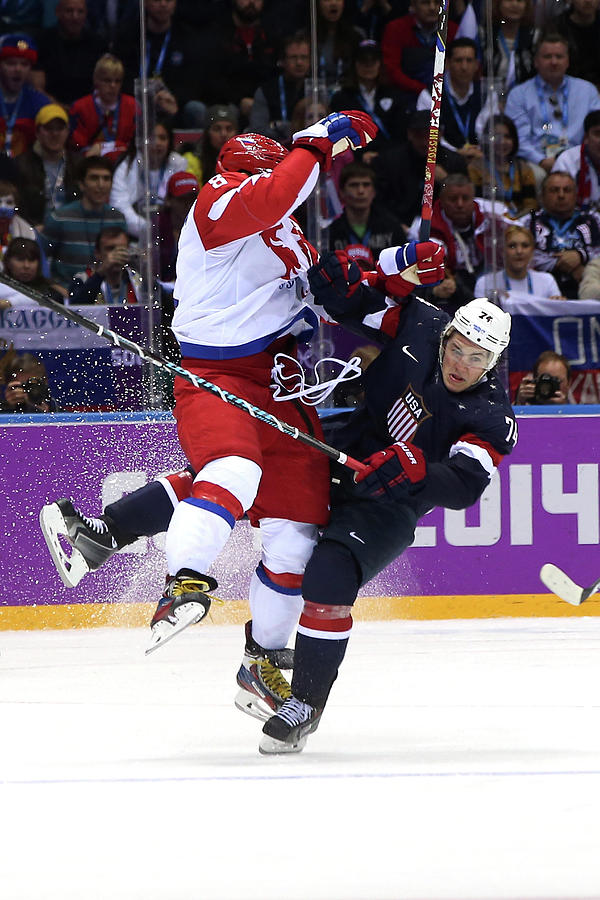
(464, 125)
(282, 100)
(161, 56)
(560, 230)
(511, 70)
(529, 283)
(109, 135)
(370, 108)
(9, 120)
(499, 180)
(357, 240)
(546, 117)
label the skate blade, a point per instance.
(163, 632)
(561, 585)
(70, 568)
(269, 746)
(253, 706)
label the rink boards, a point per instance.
(542, 506)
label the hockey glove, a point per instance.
(411, 264)
(390, 473)
(335, 133)
(333, 280)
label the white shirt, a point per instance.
(543, 284)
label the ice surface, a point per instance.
(455, 760)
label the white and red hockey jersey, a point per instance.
(242, 263)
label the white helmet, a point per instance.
(482, 323)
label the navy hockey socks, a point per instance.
(144, 512)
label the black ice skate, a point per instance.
(287, 731)
(262, 687)
(183, 603)
(92, 540)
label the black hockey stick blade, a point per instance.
(564, 587)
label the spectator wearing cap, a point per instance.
(549, 109)
(400, 169)
(110, 278)
(365, 89)
(70, 232)
(68, 52)
(19, 102)
(363, 221)
(274, 101)
(182, 190)
(103, 122)
(582, 163)
(47, 170)
(128, 188)
(221, 124)
(408, 45)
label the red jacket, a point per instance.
(442, 230)
(398, 36)
(88, 128)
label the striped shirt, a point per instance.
(70, 234)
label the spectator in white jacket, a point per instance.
(128, 191)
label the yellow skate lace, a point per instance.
(273, 679)
(190, 586)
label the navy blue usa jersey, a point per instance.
(463, 435)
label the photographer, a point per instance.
(27, 389)
(112, 279)
(549, 383)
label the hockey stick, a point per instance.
(156, 360)
(561, 585)
(434, 126)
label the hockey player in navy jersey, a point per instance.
(435, 424)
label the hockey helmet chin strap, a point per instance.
(293, 386)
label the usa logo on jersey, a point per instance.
(407, 413)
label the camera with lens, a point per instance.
(37, 391)
(546, 386)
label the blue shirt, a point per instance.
(524, 108)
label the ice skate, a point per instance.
(92, 540)
(183, 603)
(287, 731)
(262, 687)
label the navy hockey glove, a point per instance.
(391, 472)
(415, 263)
(333, 280)
(347, 130)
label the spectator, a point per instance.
(27, 389)
(337, 42)
(19, 102)
(103, 122)
(68, 52)
(365, 90)
(172, 55)
(182, 190)
(128, 190)
(275, 100)
(23, 262)
(589, 286)
(400, 169)
(408, 46)
(513, 178)
(517, 275)
(566, 237)
(461, 98)
(221, 124)
(110, 19)
(238, 55)
(549, 110)
(371, 16)
(513, 38)
(12, 225)
(549, 383)
(362, 221)
(47, 170)
(583, 162)
(110, 278)
(580, 24)
(70, 232)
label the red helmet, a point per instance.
(252, 153)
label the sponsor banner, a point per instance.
(542, 506)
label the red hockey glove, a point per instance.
(350, 129)
(409, 265)
(390, 473)
(333, 280)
